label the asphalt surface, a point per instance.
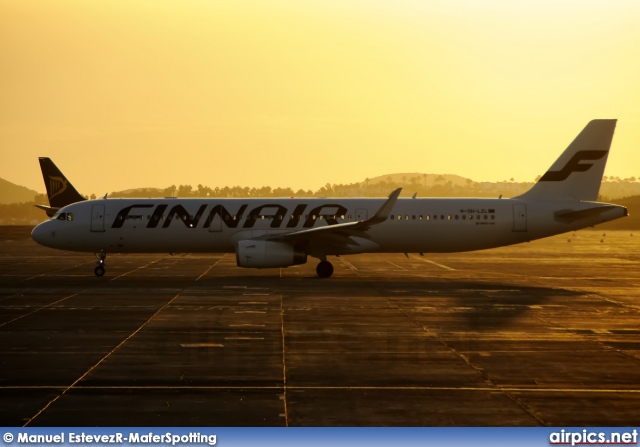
(544, 333)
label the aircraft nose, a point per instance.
(42, 235)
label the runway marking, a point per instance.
(253, 302)
(396, 265)
(244, 338)
(251, 312)
(139, 268)
(100, 361)
(348, 264)
(437, 264)
(246, 325)
(39, 309)
(214, 264)
(56, 271)
(284, 365)
(201, 345)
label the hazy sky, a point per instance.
(299, 93)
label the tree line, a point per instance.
(612, 188)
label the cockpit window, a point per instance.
(62, 216)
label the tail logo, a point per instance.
(57, 185)
(573, 165)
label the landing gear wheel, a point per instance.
(324, 269)
(102, 257)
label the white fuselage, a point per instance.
(216, 225)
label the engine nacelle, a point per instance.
(268, 254)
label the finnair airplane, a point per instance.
(275, 233)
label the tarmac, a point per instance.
(545, 333)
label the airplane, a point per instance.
(277, 233)
(59, 190)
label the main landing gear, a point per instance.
(99, 270)
(324, 269)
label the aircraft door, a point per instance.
(519, 217)
(97, 218)
(361, 214)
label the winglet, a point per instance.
(385, 210)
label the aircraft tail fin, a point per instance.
(59, 190)
(577, 174)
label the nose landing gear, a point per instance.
(99, 270)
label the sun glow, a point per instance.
(130, 94)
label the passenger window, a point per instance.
(427, 217)
(392, 217)
(493, 217)
(464, 217)
(69, 216)
(413, 217)
(449, 217)
(457, 217)
(435, 216)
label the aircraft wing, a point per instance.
(338, 235)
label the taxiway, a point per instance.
(544, 333)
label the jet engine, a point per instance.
(268, 254)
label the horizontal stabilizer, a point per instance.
(569, 216)
(50, 210)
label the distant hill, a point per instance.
(12, 193)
